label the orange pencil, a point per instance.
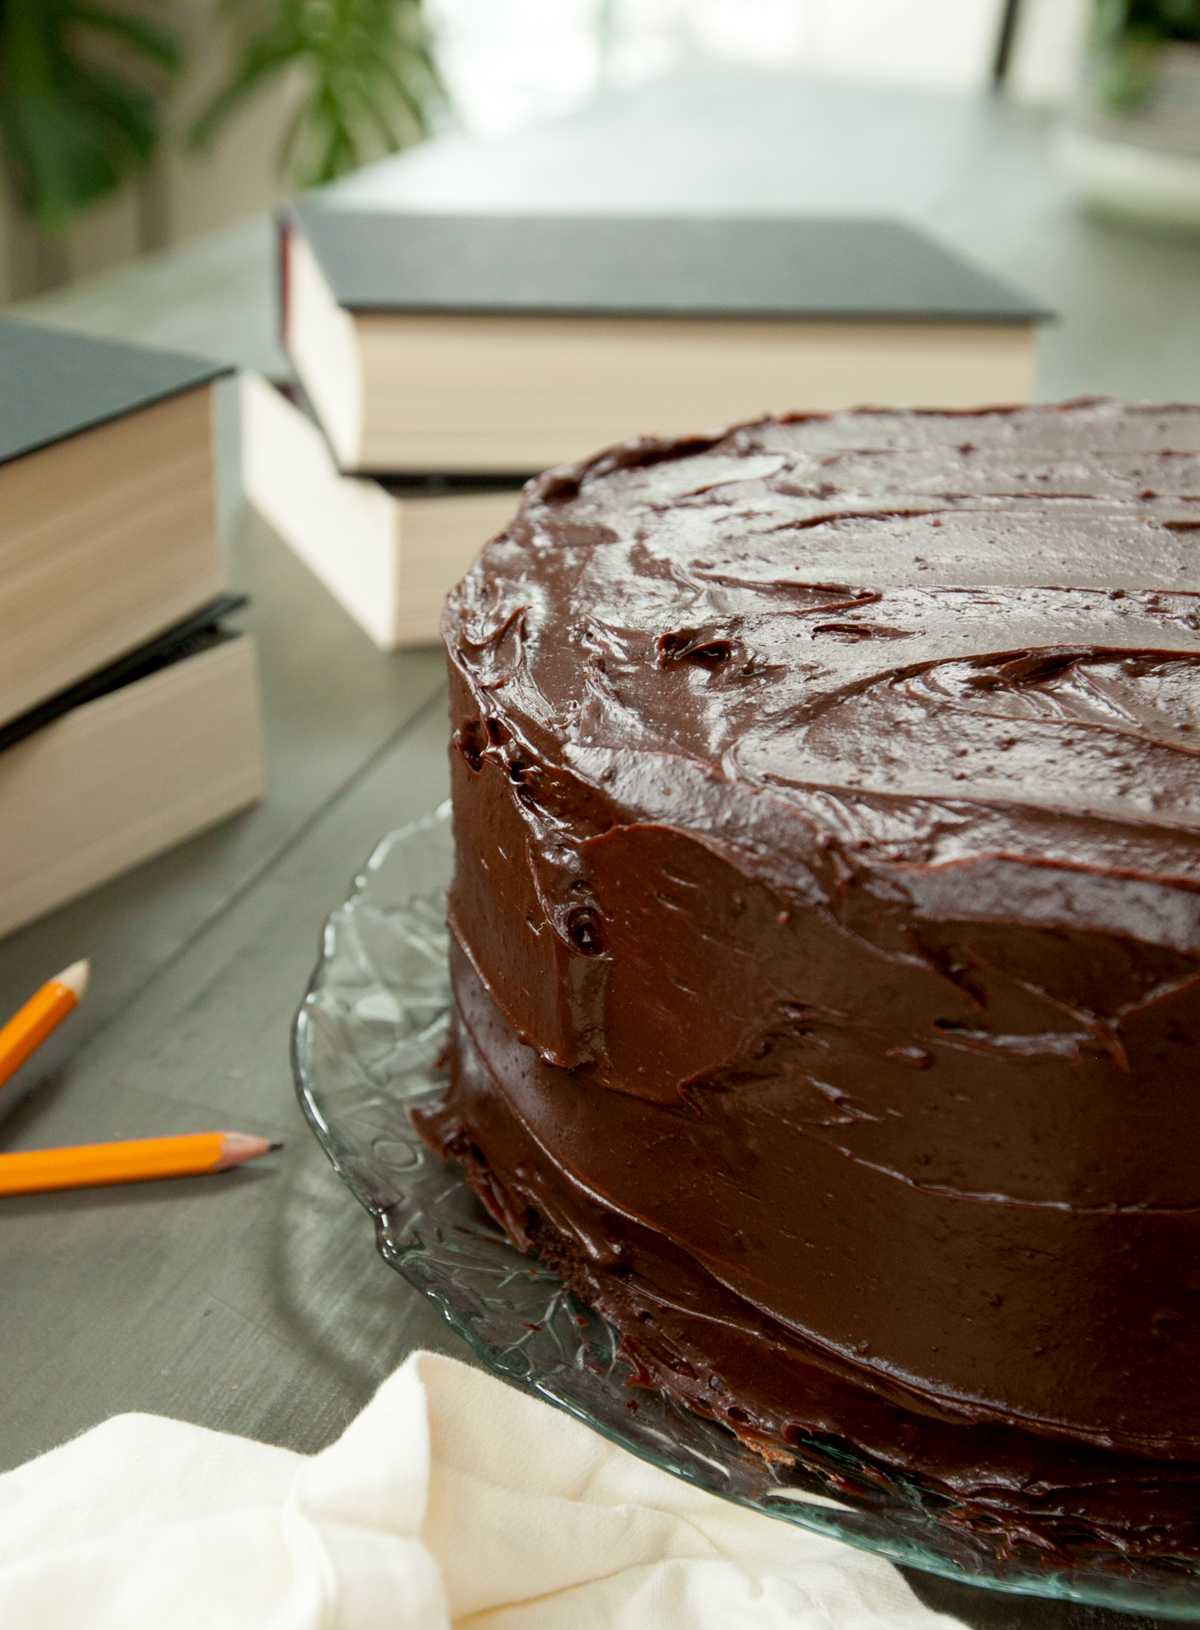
(43, 1012)
(88, 1165)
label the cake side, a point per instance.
(683, 1331)
(827, 922)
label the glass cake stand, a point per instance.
(365, 1046)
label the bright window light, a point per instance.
(509, 63)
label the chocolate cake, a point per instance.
(826, 940)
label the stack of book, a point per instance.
(129, 715)
(443, 359)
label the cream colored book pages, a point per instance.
(439, 539)
(390, 561)
(323, 344)
(343, 528)
(105, 539)
(520, 394)
(125, 777)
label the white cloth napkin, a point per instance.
(451, 1500)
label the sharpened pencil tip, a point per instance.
(273, 1148)
(75, 978)
(238, 1147)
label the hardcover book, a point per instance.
(388, 550)
(161, 745)
(506, 344)
(108, 524)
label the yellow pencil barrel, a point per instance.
(27, 1030)
(135, 1160)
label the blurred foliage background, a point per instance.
(84, 85)
(131, 125)
(370, 79)
(80, 94)
(1129, 36)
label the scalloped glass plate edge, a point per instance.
(365, 1045)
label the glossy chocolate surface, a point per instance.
(827, 806)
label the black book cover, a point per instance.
(677, 266)
(54, 384)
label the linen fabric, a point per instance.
(452, 1500)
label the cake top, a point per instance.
(917, 638)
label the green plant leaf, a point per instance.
(1117, 21)
(1180, 18)
(1128, 37)
(80, 86)
(370, 80)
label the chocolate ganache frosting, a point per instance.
(826, 939)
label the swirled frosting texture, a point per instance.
(827, 802)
